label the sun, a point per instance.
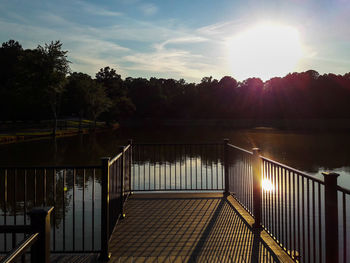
(265, 50)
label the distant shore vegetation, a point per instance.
(37, 84)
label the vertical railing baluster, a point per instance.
(35, 194)
(344, 229)
(93, 210)
(303, 217)
(313, 223)
(14, 236)
(64, 208)
(294, 218)
(54, 211)
(175, 162)
(74, 175)
(83, 214)
(319, 224)
(308, 219)
(226, 164)
(290, 213)
(122, 174)
(25, 197)
(105, 255)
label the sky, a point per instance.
(187, 39)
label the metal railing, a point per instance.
(343, 196)
(79, 195)
(177, 167)
(70, 189)
(37, 238)
(298, 210)
(115, 183)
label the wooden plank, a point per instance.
(184, 227)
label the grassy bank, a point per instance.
(21, 131)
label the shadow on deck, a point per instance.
(186, 228)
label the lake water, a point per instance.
(310, 152)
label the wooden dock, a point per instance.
(195, 227)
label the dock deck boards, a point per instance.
(174, 227)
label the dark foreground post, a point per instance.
(226, 166)
(257, 162)
(122, 174)
(40, 223)
(331, 216)
(104, 256)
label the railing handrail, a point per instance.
(240, 149)
(343, 189)
(293, 170)
(20, 249)
(177, 143)
(115, 158)
(51, 167)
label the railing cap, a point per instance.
(330, 174)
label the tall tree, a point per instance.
(55, 68)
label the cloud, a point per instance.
(148, 9)
(97, 10)
(181, 40)
(179, 63)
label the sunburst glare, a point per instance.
(265, 50)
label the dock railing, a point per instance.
(308, 217)
(115, 184)
(88, 202)
(299, 211)
(177, 167)
(37, 238)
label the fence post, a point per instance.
(130, 164)
(40, 223)
(257, 163)
(105, 255)
(226, 167)
(331, 216)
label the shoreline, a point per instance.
(43, 135)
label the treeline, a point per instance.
(38, 84)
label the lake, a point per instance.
(310, 152)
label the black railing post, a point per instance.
(226, 167)
(122, 174)
(130, 164)
(331, 216)
(40, 223)
(105, 255)
(257, 194)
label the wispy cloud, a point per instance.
(97, 10)
(181, 40)
(148, 9)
